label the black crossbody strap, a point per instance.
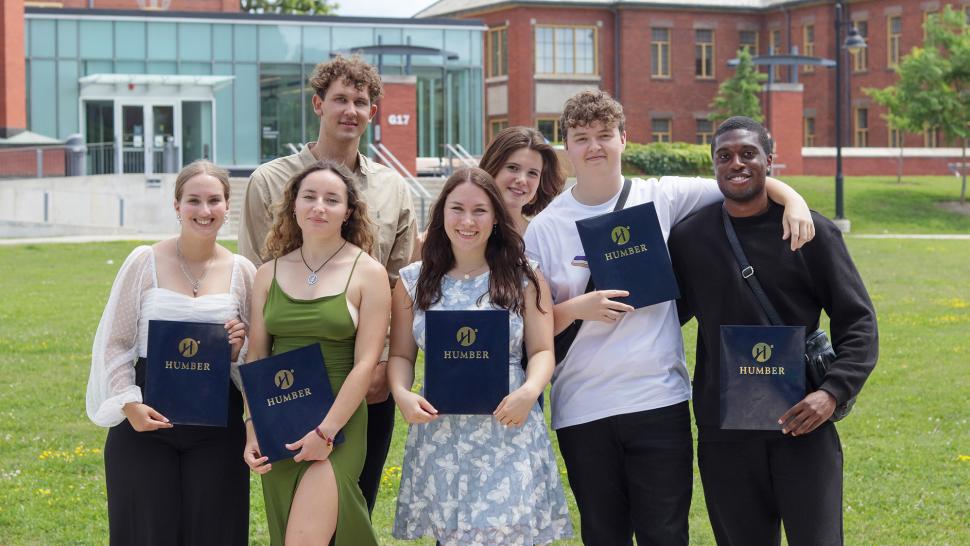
(620, 203)
(747, 271)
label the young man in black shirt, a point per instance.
(754, 480)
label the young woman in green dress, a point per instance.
(322, 287)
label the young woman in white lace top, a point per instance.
(173, 484)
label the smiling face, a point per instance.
(321, 204)
(518, 178)
(468, 218)
(595, 148)
(740, 165)
(344, 111)
(203, 206)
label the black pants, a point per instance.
(752, 486)
(632, 474)
(380, 427)
(187, 485)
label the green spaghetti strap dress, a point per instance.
(295, 323)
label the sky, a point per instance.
(382, 8)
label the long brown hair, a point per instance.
(504, 251)
(511, 140)
(286, 236)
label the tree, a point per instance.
(299, 7)
(933, 89)
(739, 94)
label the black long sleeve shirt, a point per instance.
(819, 276)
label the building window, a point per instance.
(496, 126)
(926, 17)
(566, 50)
(860, 57)
(704, 54)
(748, 39)
(808, 45)
(809, 132)
(931, 137)
(774, 48)
(861, 136)
(498, 52)
(895, 27)
(895, 138)
(660, 130)
(549, 127)
(705, 131)
(660, 52)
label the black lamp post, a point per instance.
(853, 42)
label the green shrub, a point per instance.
(675, 158)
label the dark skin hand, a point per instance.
(809, 414)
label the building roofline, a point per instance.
(621, 5)
(249, 18)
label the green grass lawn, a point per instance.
(878, 204)
(906, 444)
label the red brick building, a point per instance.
(664, 59)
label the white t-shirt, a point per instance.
(637, 363)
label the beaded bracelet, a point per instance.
(328, 439)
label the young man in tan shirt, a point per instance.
(346, 91)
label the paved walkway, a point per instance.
(158, 237)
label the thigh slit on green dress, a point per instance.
(295, 323)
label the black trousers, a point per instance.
(380, 427)
(753, 486)
(632, 474)
(187, 485)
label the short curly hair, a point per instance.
(585, 107)
(351, 70)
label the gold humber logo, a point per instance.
(761, 352)
(188, 347)
(620, 235)
(284, 379)
(466, 336)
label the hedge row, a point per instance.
(663, 158)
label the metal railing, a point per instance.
(418, 191)
(100, 158)
(457, 152)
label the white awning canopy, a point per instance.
(215, 82)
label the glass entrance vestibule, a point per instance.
(148, 124)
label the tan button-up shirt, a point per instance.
(388, 205)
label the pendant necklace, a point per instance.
(184, 265)
(312, 278)
(467, 275)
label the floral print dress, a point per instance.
(467, 479)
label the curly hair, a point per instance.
(512, 139)
(197, 167)
(286, 235)
(504, 251)
(350, 70)
(585, 107)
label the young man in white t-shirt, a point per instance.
(619, 397)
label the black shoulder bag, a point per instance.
(819, 354)
(564, 340)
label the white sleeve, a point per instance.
(111, 383)
(686, 195)
(242, 292)
(531, 239)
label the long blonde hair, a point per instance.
(286, 236)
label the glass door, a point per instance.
(164, 147)
(132, 146)
(99, 131)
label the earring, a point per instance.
(178, 218)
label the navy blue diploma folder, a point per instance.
(625, 250)
(762, 375)
(187, 372)
(288, 395)
(466, 360)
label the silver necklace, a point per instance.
(468, 275)
(312, 278)
(184, 265)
